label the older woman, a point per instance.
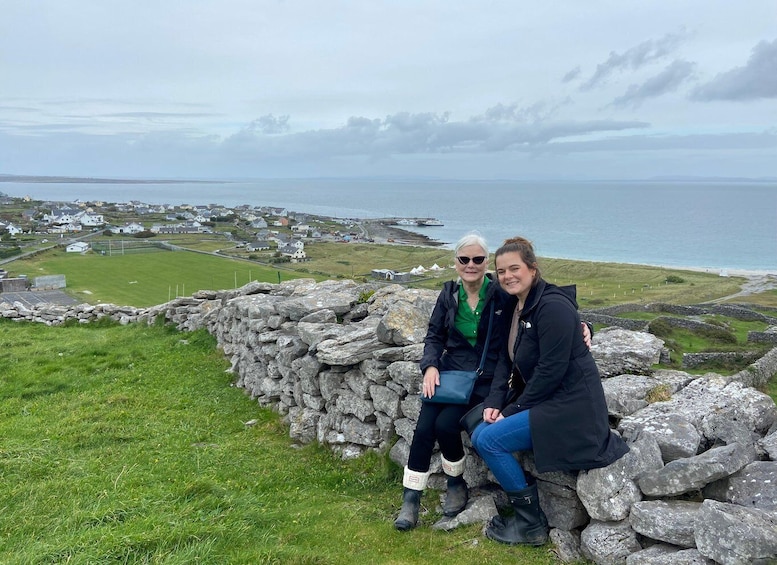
(454, 341)
(557, 410)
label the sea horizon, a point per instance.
(715, 225)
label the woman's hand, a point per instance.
(586, 335)
(491, 415)
(431, 380)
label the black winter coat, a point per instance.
(446, 348)
(569, 418)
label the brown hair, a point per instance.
(525, 249)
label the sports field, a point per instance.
(145, 279)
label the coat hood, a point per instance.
(544, 288)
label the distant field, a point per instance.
(598, 284)
(145, 279)
(606, 284)
(359, 259)
(152, 278)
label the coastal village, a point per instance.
(266, 233)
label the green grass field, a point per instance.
(128, 444)
(598, 284)
(146, 279)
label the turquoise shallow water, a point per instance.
(713, 225)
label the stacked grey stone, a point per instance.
(767, 336)
(699, 484)
(610, 316)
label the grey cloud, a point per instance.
(270, 125)
(572, 75)
(634, 58)
(265, 125)
(158, 115)
(757, 79)
(405, 121)
(707, 142)
(80, 102)
(667, 80)
(406, 133)
(37, 129)
(361, 140)
(18, 109)
(537, 112)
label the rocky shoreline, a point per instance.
(381, 232)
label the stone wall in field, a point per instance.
(339, 361)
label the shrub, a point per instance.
(719, 335)
(365, 296)
(674, 279)
(660, 328)
(659, 393)
(9, 251)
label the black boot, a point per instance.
(408, 514)
(456, 496)
(527, 525)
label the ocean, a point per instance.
(718, 226)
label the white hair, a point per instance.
(472, 238)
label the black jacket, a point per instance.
(569, 418)
(446, 348)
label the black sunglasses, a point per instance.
(477, 260)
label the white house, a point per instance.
(64, 228)
(258, 245)
(61, 216)
(92, 220)
(10, 228)
(130, 228)
(391, 275)
(77, 247)
(293, 252)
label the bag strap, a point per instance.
(488, 339)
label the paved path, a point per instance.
(755, 284)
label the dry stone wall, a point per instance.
(339, 361)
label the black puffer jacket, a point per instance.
(446, 348)
(569, 418)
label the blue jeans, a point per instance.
(496, 443)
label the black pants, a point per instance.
(440, 423)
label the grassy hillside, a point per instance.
(598, 284)
(128, 445)
(145, 279)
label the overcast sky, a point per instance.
(443, 88)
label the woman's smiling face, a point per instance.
(471, 272)
(515, 276)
